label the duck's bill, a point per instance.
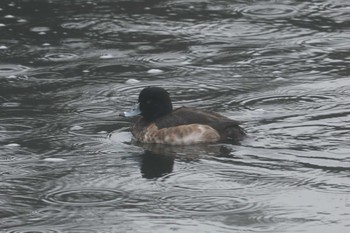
(134, 111)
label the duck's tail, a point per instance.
(234, 134)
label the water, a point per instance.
(67, 162)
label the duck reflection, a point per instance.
(158, 160)
(156, 165)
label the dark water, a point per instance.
(67, 163)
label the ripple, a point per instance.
(193, 180)
(327, 43)
(126, 94)
(205, 204)
(78, 24)
(15, 154)
(226, 30)
(49, 77)
(7, 212)
(34, 230)
(84, 197)
(52, 216)
(21, 186)
(267, 220)
(10, 154)
(96, 111)
(338, 185)
(92, 128)
(47, 212)
(9, 217)
(290, 102)
(217, 179)
(195, 94)
(166, 60)
(269, 11)
(12, 69)
(60, 57)
(9, 171)
(79, 229)
(15, 127)
(120, 138)
(141, 68)
(107, 69)
(16, 213)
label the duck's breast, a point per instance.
(179, 135)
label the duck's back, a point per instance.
(228, 129)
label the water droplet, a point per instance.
(54, 160)
(9, 16)
(332, 60)
(22, 21)
(76, 127)
(10, 104)
(155, 71)
(132, 81)
(106, 56)
(40, 29)
(2, 25)
(3, 47)
(13, 145)
(276, 72)
(279, 79)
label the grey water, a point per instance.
(68, 162)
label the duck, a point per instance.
(159, 123)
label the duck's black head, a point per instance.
(154, 102)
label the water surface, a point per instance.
(67, 161)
